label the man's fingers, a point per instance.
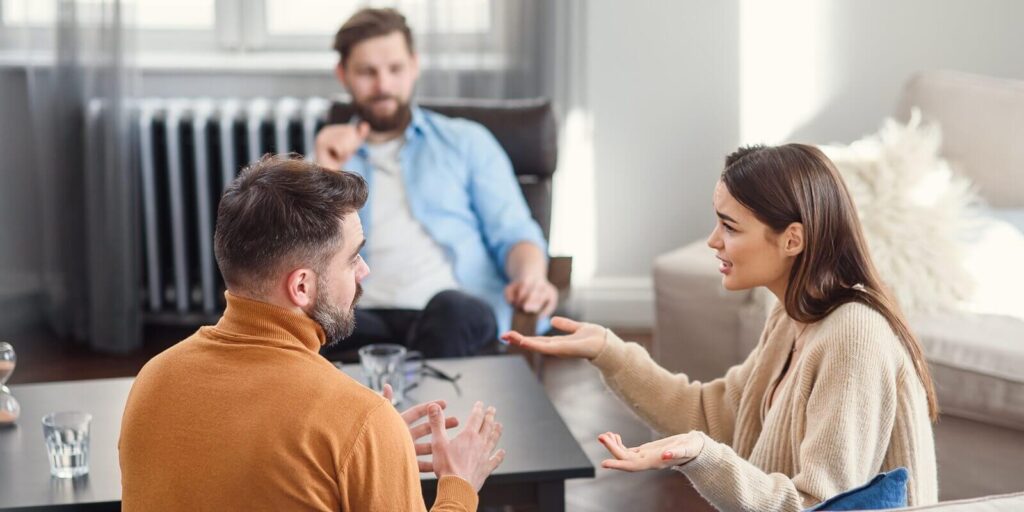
(426, 466)
(321, 155)
(551, 304)
(420, 430)
(329, 161)
(424, 449)
(488, 424)
(537, 301)
(524, 292)
(435, 418)
(564, 324)
(510, 293)
(476, 418)
(494, 437)
(423, 429)
(389, 394)
(419, 410)
(362, 130)
(495, 460)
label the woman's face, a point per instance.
(750, 254)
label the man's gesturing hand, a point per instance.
(411, 416)
(469, 455)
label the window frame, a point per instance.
(241, 26)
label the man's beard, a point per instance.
(398, 119)
(336, 323)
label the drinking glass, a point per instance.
(386, 363)
(67, 443)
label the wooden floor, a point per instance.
(574, 386)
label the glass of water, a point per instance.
(67, 443)
(386, 363)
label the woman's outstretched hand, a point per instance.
(660, 454)
(583, 340)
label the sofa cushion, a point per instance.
(976, 362)
(981, 118)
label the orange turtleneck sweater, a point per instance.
(246, 415)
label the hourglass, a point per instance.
(9, 408)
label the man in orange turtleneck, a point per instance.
(247, 415)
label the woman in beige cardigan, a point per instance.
(837, 389)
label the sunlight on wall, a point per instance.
(574, 213)
(783, 67)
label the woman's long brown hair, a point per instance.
(798, 183)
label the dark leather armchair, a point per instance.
(527, 131)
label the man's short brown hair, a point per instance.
(282, 212)
(366, 24)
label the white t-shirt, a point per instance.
(407, 267)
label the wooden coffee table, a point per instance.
(541, 452)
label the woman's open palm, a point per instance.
(660, 454)
(583, 339)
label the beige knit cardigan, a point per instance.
(853, 407)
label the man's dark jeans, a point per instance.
(453, 324)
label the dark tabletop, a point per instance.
(24, 469)
(537, 443)
(539, 446)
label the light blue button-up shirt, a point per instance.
(461, 187)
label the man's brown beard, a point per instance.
(398, 120)
(337, 324)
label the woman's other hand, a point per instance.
(660, 454)
(582, 340)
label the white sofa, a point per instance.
(977, 360)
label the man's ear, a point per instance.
(793, 239)
(300, 287)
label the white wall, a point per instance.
(672, 89)
(859, 55)
(662, 84)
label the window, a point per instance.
(149, 14)
(441, 26)
(179, 25)
(298, 17)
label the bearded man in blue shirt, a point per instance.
(449, 235)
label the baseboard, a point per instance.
(615, 301)
(21, 302)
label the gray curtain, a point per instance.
(86, 173)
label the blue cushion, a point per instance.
(887, 490)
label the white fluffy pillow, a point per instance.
(914, 211)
